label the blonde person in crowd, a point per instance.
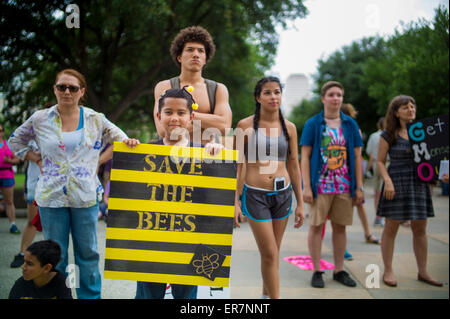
(69, 137)
(269, 178)
(332, 178)
(403, 196)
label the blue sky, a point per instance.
(332, 24)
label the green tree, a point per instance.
(122, 47)
(346, 66)
(306, 109)
(415, 62)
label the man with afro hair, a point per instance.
(191, 49)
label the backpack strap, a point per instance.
(211, 88)
(175, 82)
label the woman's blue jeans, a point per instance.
(57, 223)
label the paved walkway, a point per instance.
(295, 282)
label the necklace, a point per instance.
(332, 118)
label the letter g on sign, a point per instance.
(416, 133)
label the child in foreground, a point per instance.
(175, 114)
(40, 279)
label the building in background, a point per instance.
(296, 89)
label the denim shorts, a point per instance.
(265, 205)
(7, 182)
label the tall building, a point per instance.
(296, 89)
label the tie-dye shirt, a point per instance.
(68, 180)
(334, 176)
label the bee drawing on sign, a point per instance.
(207, 262)
(206, 265)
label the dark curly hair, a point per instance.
(192, 34)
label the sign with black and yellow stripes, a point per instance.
(170, 215)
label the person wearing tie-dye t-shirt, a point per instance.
(332, 177)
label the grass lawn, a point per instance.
(20, 180)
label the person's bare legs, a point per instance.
(387, 248)
(364, 221)
(8, 198)
(315, 244)
(268, 237)
(376, 199)
(29, 231)
(339, 239)
(279, 227)
(420, 244)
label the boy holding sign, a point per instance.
(175, 114)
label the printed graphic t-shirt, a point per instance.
(334, 176)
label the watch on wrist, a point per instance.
(361, 188)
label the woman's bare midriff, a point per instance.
(262, 174)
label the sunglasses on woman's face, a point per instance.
(63, 88)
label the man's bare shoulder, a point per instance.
(221, 86)
(162, 86)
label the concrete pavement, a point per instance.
(295, 283)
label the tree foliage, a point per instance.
(122, 47)
(413, 61)
(346, 66)
(304, 111)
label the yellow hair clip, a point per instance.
(190, 89)
(194, 106)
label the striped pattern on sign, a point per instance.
(164, 202)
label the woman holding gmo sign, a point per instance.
(403, 196)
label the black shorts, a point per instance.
(264, 205)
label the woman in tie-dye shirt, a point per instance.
(70, 137)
